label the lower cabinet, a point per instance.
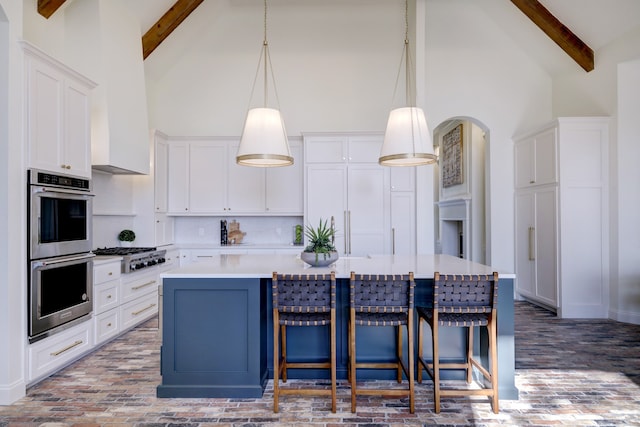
(56, 351)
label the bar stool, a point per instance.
(382, 300)
(302, 300)
(461, 301)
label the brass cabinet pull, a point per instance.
(67, 348)
(393, 241)
(532, 254)
(135, 288)
(135, 313)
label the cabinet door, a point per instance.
(536, 245)
(45, 93)
(403, 222)
(325, 149)
(207, 177)
(284, 186)
(164, 229)
(546, 245)
(525, 243)
(368, 211)
(536, 159)
(77, 129)
(160, 175)
(364, 149)
(326, 198)
(178, 178)
(245, 185)
(403, 178)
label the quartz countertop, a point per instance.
(263, 266)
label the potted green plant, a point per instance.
(126, 237)
(320, 250)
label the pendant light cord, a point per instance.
(267, 67)
(406, 58)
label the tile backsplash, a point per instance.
(259, 230)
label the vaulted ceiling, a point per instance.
(576, 26)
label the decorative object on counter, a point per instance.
(320, 251)
(126, 238)
(298, 232)
(235, 236)
(264, 138)
(407, 140)
(224, 233)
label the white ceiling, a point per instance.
(595, 22)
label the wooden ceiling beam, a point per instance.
(47, 8)
(558, 32)
(165, 25)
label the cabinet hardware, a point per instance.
(393, 241)
(135, 288)
(532, 255)
(135, 313)
(109, 324)
(111, 273)
(67, 348)
(108, 296)
(349, 213)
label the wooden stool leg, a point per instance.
(399, 353)
(469, 354)
(420, 351)
(412, 404)
(283, 341)
(276, 360)
(436, 367)
(493, 364)
(352, 361)
(333, 360)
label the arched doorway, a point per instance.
(461, 189)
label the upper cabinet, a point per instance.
(536, 157)
(204, 179)
(58, 126)
(344, 182)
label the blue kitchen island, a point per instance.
(217, 338)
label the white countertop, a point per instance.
(263, 266)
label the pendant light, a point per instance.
(407, 141)
(264, 140)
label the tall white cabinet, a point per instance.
(58, 121)
(561, 208)
(343, 181)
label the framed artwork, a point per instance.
(452, 157)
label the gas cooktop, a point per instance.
(134, 259)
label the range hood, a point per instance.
(104, 41)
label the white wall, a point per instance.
(12, 208)
(473, 69)
(625, 301)
(612, 89)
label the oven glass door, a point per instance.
(60, 292)
(60, 222)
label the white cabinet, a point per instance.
(160, 171)
(284, 185)
(58, 350)
(58, 115)
(536, 240)
(204, 179)
(164, 230)
(106, 299)
(536, 159)
(343, 181)
(403, 211)
(562, 215)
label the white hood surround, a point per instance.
(104, 41)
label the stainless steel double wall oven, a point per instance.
(60, 229)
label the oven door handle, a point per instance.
(39, 189)
(72, 258)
